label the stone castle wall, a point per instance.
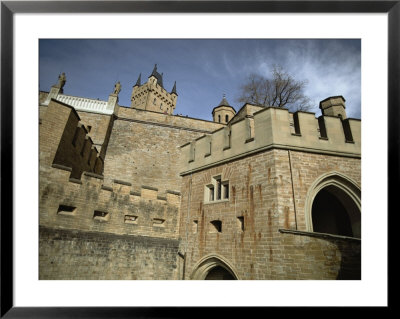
(65, 141)
(66, 254)
(143, 148)
(260, 205)
(85, 224)
(125, 212)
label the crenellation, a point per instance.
(272, 129)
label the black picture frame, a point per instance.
(9, 8)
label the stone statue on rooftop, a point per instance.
(61, 81)
(117, 88)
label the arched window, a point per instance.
(226, 118)
(219, 118)
(333, 206)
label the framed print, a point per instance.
(196, 154)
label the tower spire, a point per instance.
(138, 82)
(174, 89)
(154, 70)
(224, 102)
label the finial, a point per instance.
(224, 102)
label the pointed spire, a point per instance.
(224, 102)
(157, 75)
(154, 70)
(174, 89)
(138, 82)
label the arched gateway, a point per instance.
(333, 206)
(213, 267)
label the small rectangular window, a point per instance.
(66, 210)
(130, 219)
(158, 222)
(211, 193)
(101, 216)
(225, 190)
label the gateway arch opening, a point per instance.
(335, 212)
(219, 273)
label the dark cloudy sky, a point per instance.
(204, 70)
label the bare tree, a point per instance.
(281, 90)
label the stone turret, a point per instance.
(334, 106)
(152, 96)
(224, 112)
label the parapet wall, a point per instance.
(87, 204)
(64, 140)
(274, 128)
(175, 121)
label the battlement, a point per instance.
(65, 141)
(270, 128)
(173, 121)
(88, 204)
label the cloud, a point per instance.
(203, 69)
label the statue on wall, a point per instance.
(61, 80)
(117, 88)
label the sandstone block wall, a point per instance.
(64, 141)
(78, 255)
(143, 148)
(88, 205)
(303, 169)
(260, 205)
(99, 128)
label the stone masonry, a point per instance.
(130, 193)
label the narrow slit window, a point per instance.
(211, 193)
(240, 223)
(225, 190)
(195, 226)
(219, 187)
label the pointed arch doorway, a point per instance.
(333, 206)
(213, 267)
